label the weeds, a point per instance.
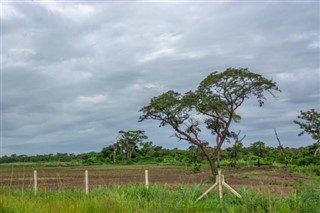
(158, 198)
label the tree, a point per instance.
(310, 124)
(108, 154)
(217, 98)
(146, 148)
(128, 140)
(258, 149)
(170, 108)
(236, 149)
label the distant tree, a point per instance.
(310, 123)
(146, 148)
(258, 148)
(236, 149)
(129, 140)
(89, 158)
(107, 154)
(217, 98)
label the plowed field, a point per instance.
(276, 180)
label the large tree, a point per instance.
(216, 100)
(310, 124)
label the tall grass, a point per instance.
(158, 198)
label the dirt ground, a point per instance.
(276, 180)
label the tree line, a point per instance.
(236, 156)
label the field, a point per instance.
(73, 177)
(172, 189)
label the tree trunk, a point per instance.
(218, 153)
(218, 160)
(200, 145)
(211, 161)
(281, 148)
(213, 167)
(114, 153)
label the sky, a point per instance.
(75, 73)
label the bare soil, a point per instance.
(274, 180)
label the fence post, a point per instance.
(220, 185)
(220, 182)
(86, 181)
(35, 181)
(146, 178)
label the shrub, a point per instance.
(195, 167)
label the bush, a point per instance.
(195, 167)
(317, 171)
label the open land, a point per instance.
(276, 180)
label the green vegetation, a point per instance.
(158, 198)
(310, 124)
(235, 156)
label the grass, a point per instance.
(158, 198)
(305, 170)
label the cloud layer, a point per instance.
(74, 74)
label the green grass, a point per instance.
(305, 170)
(167, 198)
(158, 198)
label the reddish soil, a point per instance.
(275, 180)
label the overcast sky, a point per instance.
(75, 73)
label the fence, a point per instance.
(86, 181)
(220, 182)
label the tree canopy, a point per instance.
(128, 141)
(310, 124)
(217, 98)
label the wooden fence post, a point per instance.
(220, 182)
(146, 178)
(230, 188)
(86, 182)
(35, 181)
(212, 187)
(220, 185)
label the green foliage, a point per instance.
(234, 85)
(258, 148)
(310, 123)
(236, 152)
(309, 198)
(317, 171)
(195, 167)
(128, 141)
(246, 157)
(158, 198)
(167, 108)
